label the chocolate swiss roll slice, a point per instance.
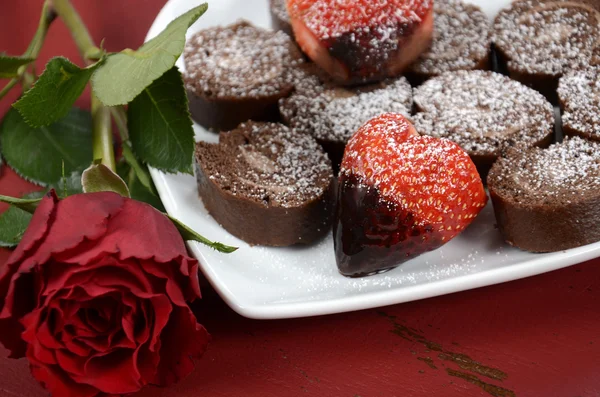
(537, 41)
(238, 73)
(483, 112)
(461, 41)
(579, 94)
(332, 114)
(548, 200)
(280, 16)
(267, 184)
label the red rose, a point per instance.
(96, 294)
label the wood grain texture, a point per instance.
(533, 337)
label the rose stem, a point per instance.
(120, 117)
(102, 138)
(46, 19)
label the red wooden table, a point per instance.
(534, 337)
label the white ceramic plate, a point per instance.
(269, 283)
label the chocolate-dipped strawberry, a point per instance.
(362, 41)
(400, 195)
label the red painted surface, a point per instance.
(542, 332)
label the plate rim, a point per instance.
(268, 311)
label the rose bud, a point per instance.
(96, 297)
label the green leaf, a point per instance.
(13, 223)
(53, 95)
(190, 235)
(26, 204)
(140, 192)
(160, 127)
(37, 153)
(141, 171)
(68, 186)
(125, 75)
(137, 189)
(100, 178)
(9, 65)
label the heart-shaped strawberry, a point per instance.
(362, 40)
(400, 195)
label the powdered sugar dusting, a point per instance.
(579, 93)
(335, 113)
(461, 39)
(547, 37)
(565, 171)
(240, 61)
(334, 18)
(273, 165)
(484, 112)
(279, 9)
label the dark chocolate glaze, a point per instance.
(372, 235)
(363, 60)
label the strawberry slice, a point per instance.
(358, 41)
(401, 195)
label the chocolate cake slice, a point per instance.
(280, 16)
(237, 73)
(332, 114)
(483, 112)
(461, 41)
(267, 184)
(548, 200)
(537, 41)
(579, 93)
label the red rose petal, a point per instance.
(74, 345)
(107, 271)
(180, 279)
(71, 363)
(128, 324)
(59, 384)
(146, 363)
(123, 237)
(39, 225)
(10, 336)
(78, 218)
(182, 339)
(112, 373)
(162, 310)
(45, 337)
(36, 349)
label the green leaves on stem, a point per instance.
(37, 154)
(44, 137)
(160, 128)
(46, 19)
(54, 94)
(126, 74)
(10, 65)
(25, 204)
(190, 235)
(14, 221)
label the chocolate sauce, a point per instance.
(373, 235)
